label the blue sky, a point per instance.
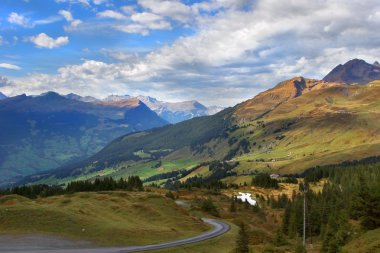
(216, 51)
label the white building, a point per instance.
(246, 197)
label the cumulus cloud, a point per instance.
(174, 9)
(136, 22)
(69, 18)
(44, 41)
(239, 49)
(150, 20)
(18, 19)
(9, 66)
(111, 14)
(4, 82)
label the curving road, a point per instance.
(219, 229)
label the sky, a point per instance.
(219, 52)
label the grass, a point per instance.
(322, 132)
(104, 218)
(221, 244)
(366, 243)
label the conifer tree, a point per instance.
(233, 205)
(242, 243)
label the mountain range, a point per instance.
(172, 112)
(44, 132)
(175, 112)
(300, 123)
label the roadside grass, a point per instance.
(222, 244)
(368, 242)
(104, 218)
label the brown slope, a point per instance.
(268, 100)
(128, 103)
(324, 126)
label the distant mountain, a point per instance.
(87, 99)
(43, 132)
(2, 96)
(211, 110)
(175, 112)
(172, 112)
(354, 71)
(116, 98)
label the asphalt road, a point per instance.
(219, 229)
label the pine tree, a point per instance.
(242, 240)
(279, 239)
(233, 206)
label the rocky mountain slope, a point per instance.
(298, 124)
(46, 131)
(354, 71)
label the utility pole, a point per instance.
(304, 214)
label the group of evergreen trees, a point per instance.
(105, 184)
(352, 191)
(264, 180)
(218, 169)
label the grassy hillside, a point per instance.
(105, 218)
(368, 242)
(322, 127)
(298, 124)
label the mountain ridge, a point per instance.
(354, 71)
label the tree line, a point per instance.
(132, 183)
(351, 192)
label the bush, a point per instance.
(208, 206)
(170, 195)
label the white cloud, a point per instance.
(44, 41)
(21, 20)
(111, 14)
(74, 23)
(18, 19)
(83, 2)
(9, 66)
(98, 2)
(46, 21)
(86, 3)
(132, 28)
(150, 20)
(118, 55)
(4, 82)
(137, 22)
(128, 9)
(234, 53)
(174, 9)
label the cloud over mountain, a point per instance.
(229, 50)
